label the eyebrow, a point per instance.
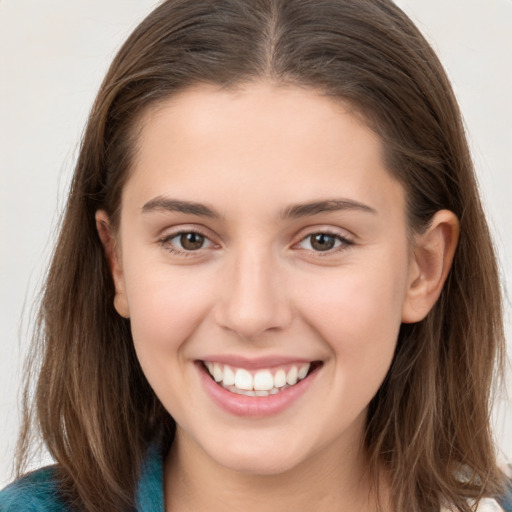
(166, 204)
(329, 205)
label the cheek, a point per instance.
(166, 306)
(358, 313)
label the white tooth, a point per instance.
(291, 376)
(209, 365)
(247, 392)
(229, 376)
(218, 374)
(263, 380)
(303, 371)
(273, 391)
(280, 378)
(259, 392)
(243, 379)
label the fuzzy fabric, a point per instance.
(38, 491)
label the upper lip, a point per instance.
(255, 362)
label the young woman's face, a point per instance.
(261, 235)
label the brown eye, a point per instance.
(322, 242)
(325, 242)
(185, 243)
(191, 241)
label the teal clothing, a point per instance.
(33, 493)
(37, 491)
(506, 501)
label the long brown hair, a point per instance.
(429, 422)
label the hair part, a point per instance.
(429, 422)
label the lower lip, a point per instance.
(253, 406)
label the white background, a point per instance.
(53, 55)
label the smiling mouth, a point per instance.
(260, 383)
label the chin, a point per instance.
(258, 458)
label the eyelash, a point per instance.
(345, 243)
(165, 242)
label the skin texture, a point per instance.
(257, 287)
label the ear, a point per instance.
(431, 260)
(111, 252)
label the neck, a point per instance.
(329, 480)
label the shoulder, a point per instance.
(39, 491)
(34, 492)
(506, 500)
(500, 504)
(492, 505)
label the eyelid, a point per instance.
(345, 237)
(164, 241)
(342, 235)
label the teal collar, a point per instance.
(150, 489)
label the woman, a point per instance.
(273, 277)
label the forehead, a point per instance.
(255, 111)
(260, 142)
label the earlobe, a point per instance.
(431, 260)
(111, 253)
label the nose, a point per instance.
(254, 299)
